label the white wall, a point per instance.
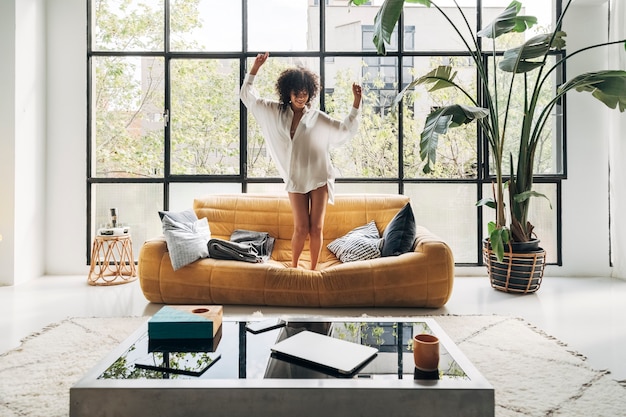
(617, 151)
(585, 193)
(7, 142)
(67, 131)
(24, 141)
(30, 133)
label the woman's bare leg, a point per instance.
(319, 200)
(300, 209)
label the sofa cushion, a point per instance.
(400, 234)
(358, 244)
(186, 236)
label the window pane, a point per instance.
(373, 153)
(260, 164)
(366, 187)
(183, 194)
(198, 26)
(137, 207)
(544, 218)
(282, 25)
(267, 188)
(542, 214)
(128, 25)
(127, 106)
(209, 39)
(448, 211)
(548, 154)
(205, 117)
(456, 152)
(541, 9)
(433, 32)
(350, 28)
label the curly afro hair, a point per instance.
(296, 79)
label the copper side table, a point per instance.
(112, 261)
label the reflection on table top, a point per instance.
(236, 353)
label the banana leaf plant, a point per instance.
(529, 61)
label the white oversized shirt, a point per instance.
(304, 161)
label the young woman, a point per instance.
(299, 140)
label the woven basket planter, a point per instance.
(518, 272)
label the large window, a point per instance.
(166, 124)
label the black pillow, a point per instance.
(400, 234)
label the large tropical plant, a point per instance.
(530, 61)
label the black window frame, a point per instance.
(404, 58)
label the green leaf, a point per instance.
(438, 122)
(386, 19)
(487, 201)
(608, 86)
(512, 65)
(523, 196)
(498, 237)
(508, 21)
(384, 23)
(441, 77)
(462, 115)
(518, 59)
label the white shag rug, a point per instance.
(533, 374)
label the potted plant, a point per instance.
(530, 62)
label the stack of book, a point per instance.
(182, 328)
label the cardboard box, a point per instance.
(185, 322)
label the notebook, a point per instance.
(336, 355)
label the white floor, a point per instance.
(588, 314)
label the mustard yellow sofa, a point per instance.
(420, 278)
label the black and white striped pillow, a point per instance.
(359, 244)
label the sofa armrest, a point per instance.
(151, 255)
(156, 246)
(440, 261)
(431, 244)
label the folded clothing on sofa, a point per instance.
(244, 245)
(224, 249)
(262, 242)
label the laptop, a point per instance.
(331, 354)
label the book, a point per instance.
(185, 345)
(185, 322)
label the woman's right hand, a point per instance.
(258, 62)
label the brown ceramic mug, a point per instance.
(426, 352)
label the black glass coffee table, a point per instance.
(237, 374)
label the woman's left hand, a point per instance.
(356, 92)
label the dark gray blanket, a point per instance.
(244, 245)
(262, 242)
